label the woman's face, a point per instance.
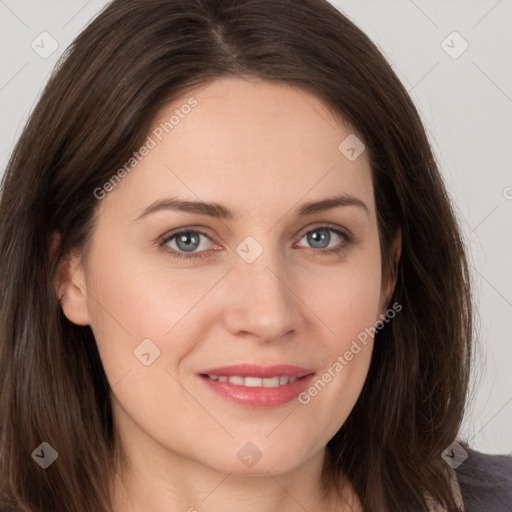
(260, 293)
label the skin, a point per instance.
(262, 149)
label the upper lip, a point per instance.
(252, 370)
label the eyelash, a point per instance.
(333, 251)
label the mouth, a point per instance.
(254, 382)
(257, 386)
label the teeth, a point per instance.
(271, 382)
(255, 382)
(238, 381)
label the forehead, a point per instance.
(250, 144)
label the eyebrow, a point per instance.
(219, 211)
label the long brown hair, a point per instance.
(94, 113)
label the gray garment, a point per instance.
(486, 482)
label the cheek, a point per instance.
(135, 298)
(348, 305)
(347, 299)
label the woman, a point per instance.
(231, 274)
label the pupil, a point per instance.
(185, 238)
(314, 238)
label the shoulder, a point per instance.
(485, 482)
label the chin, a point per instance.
(248, 460)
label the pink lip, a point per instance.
(262, 397)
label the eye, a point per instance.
(320, 237)
(185, 242)
(190, 243)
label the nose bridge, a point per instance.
(261, 303)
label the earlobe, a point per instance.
(69, 286)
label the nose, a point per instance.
(262, 303)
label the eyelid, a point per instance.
(187, 229)
(198, 229)
(328, 225)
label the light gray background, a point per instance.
(466, 105)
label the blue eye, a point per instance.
(188, 241)
(322, 234)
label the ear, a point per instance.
(389, 282)
(69, 285)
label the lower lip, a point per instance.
(259, 396)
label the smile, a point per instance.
(255, 386)
(254, 382)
